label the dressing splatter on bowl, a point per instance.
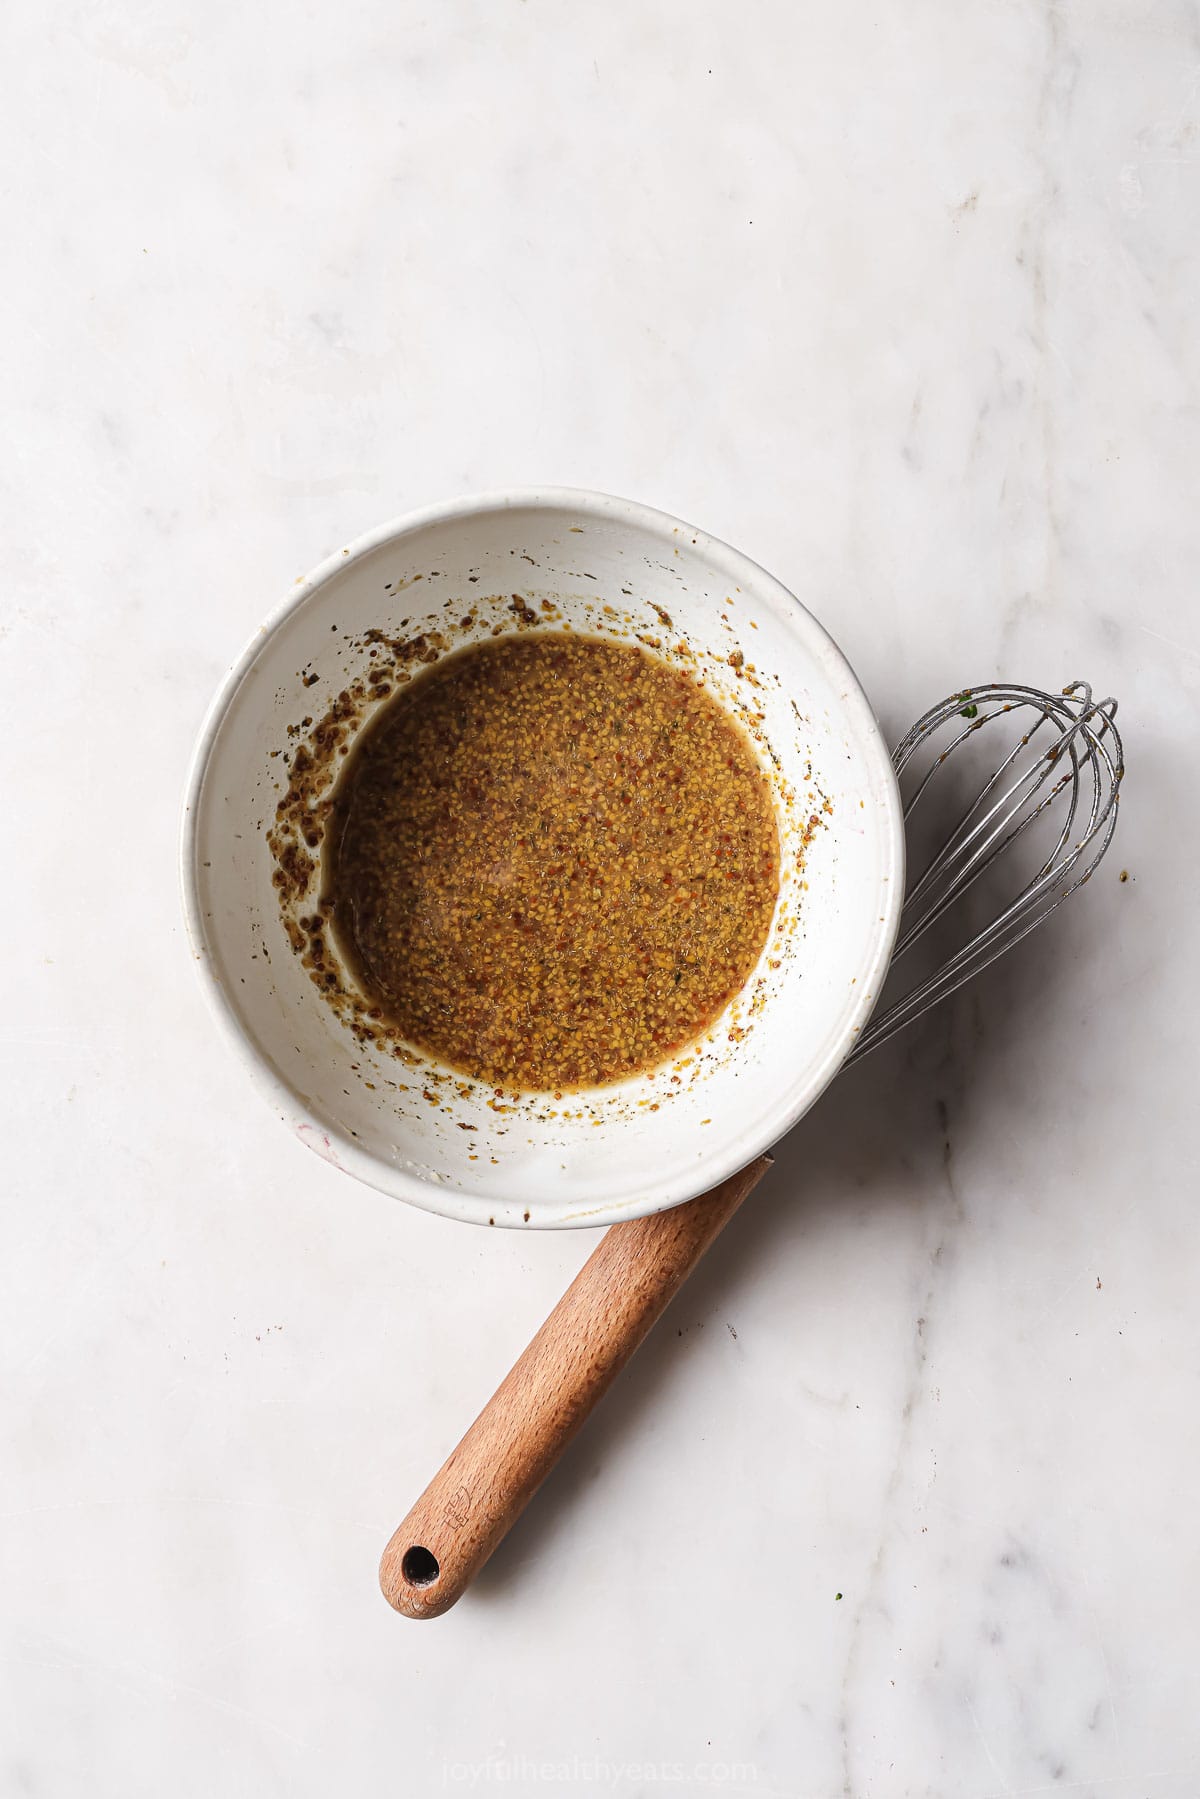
(258, 806)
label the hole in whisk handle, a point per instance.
(419, 1566)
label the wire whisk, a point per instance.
(1064, 768)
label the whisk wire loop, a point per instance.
(1077, 763)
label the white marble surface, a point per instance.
(902, 300)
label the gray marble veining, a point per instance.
(904, 302)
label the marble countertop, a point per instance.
(902, 301)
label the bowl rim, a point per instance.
(336, 1145)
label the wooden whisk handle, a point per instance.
(488, 1480)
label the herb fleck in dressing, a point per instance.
(552, 862)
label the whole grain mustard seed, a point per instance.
(553, 861)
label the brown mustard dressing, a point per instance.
(552, 861)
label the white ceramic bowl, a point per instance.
(605, 564)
